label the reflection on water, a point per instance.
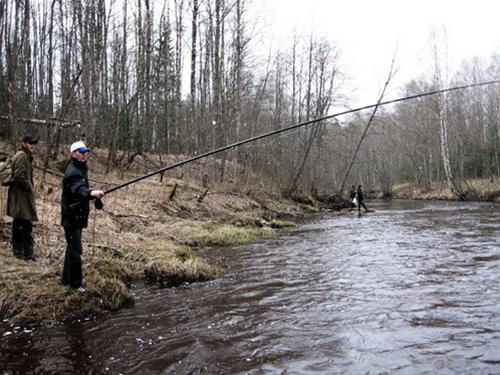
(411, 288)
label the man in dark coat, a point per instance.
(21, 200)
(75, 208)
(360, 197)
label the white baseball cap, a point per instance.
(79, 146)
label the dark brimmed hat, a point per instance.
(29, 138)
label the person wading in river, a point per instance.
(21, 200)
(75, 208)
(360, 197)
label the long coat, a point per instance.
(21, 196)
(75, 206)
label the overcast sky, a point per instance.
(369, 32)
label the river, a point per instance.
(413, 288)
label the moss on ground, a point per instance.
(228, 235)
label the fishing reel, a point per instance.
(98, 204)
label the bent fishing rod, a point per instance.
(302, 124)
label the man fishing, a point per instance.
(75, 208)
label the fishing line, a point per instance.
(292, 127)
(278, 138)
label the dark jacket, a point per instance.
(21, 196)
(353, 193)
(360, 195)
(75, 206)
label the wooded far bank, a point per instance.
(185, 77)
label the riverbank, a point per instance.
(483, 190)
(147, 233)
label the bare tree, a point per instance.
(365, 131)
(194, 32)
(321, 86)
(440, 69)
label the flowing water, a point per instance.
(413, 288)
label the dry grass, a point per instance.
(475, 189)
(227, 235)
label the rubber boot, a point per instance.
(28, 250)
(17, 249)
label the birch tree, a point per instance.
(440, 78)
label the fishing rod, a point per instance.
(278, 131)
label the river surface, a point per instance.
(413, 288)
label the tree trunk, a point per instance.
(365, 131)
(445, 153)
(191, 144)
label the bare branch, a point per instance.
(52, 122)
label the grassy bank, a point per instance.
(487, 190)
(148, 233)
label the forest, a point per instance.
(187, 76)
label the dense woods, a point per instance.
(188, 76)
